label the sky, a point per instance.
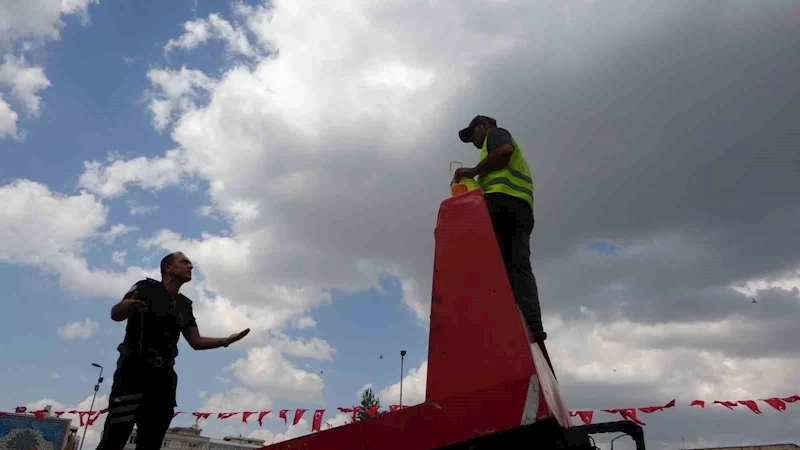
(298, 151)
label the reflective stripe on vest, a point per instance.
(514, 179)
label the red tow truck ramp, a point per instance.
(488, 386)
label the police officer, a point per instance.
(505, 179)
(145, 382)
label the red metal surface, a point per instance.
(477, 337)
(482, 368)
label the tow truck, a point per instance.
(489, 386)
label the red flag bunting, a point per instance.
(90, 421)
(355, 412)
(751, 405)
(175, 414)
(261, 417)
(316, 424)
(586, 416)
(792, 399)
(20, 409)
(59, 413)
(40, 413)
(626, 413)
(393, 408)
(298, 414)
(245, 415)
(699, 403)
(776, 403)
(226, 415)
(651, 409)
(282, 415)
(201, 415)
(726, 404)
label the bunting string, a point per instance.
(89, 418)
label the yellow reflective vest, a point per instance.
(514, 179)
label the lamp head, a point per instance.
(402, 353)
(97, 365)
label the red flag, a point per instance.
(245, 415)
(298, 414)
(355, 412)
(699, 403)
(316, 424)
(261, 417)
(345, 410)
(40, 413)
(393, 408)
(175, 414)
(626, 413)
(201, 415)
(73, 412)
(82, 414)
(573, 413)
(586, 416)
(282, 415)
(651, 409)
(372, 410)
(792, 399)
(726, 404)
(750, 404)
(59, 413)
(226, 415)
(105, 410)
(20, 409)
(90, 421)
(776, 403)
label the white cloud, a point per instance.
(314, 348)
(25, 81)
(267, 370)
(8, 120)
(78, 330)
(54, 374)
(31, 211)
(26, 25)
(413, 388)
(135, 209)
(38, 19)
(116, 231)
(175, 91)
(111, 180)
(305, 322)
(118, 257)
(200, 31)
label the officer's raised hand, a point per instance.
(237, 336)
(132, 304)
(128, 306)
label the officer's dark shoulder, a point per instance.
(497, 136)
(141, 286)
(184, 299)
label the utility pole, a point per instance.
(96, 388)
(402, 356)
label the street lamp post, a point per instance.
(402, 356)
(96, 388)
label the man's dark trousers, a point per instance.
(144, 395)
(513, 221)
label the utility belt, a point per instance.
(147, 360)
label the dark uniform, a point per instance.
(145, 381)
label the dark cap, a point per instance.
(466, 133)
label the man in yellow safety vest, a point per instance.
(505, 179)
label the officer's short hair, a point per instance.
(167, 260)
